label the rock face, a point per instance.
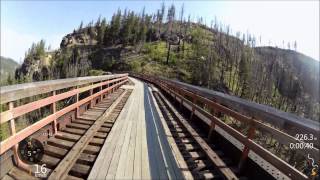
(84, 36)
(35, 69)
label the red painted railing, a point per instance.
(74, 86)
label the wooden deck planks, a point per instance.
(101, 166)
(137, 159)
(134, 148)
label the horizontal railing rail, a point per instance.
(286, 121)
(189, 96)
(9, 94)
(20, 91)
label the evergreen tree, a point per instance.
(115, 27)
(80, 26)
(126, 30)
(101, 31)
(244, 75)
(10, 80)
(170, 18)
(143, 28)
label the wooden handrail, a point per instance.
(21, 110)
(20, 91)
(286, 121)
(112, 82)
(182, 91)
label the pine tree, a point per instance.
(125, 33)
(244, 75)
(10, 80)
(170, 18)
(115, 27)
(101, 30)
(80, 26)
(160, 16)
(143, 27)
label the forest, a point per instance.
(170, 43)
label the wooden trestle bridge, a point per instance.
(145, 127)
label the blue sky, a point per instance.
(24, 22)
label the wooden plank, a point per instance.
(117, 169)
(6, 163)
(102, 163)
(96, 141)
(6, 177)
(128, 169)
(137, 163)
(85, 158)
(60, 143)
(146, 162)
(104, 130)
(19, 174)
(82, 145)
(178, 158)
(51, 162)
(165, 168)
(227, 173)
(78, 126)
(73, 131)
(81, 121)
(107, 124)
(121, 142)
(93, 113)
(67, 136)
(87, 117)
(79, 170)
(55, 151)
(69, 177)
(101, 135)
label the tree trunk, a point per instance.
(168, 55)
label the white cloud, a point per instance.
(14, 44)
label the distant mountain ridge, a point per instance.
(188, 51)
(8, 67)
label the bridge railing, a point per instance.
(280, 127)
(48, 94)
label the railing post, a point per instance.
(211, 130)
(12, 123)
(101, 96)
(181, 100)
(77, 100)
(246, 150)
(91, 101)
(15, 147)
(193, 107)
(54, 110)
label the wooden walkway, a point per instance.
(137, 147)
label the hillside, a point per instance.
(8, 67)
(188, 51)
